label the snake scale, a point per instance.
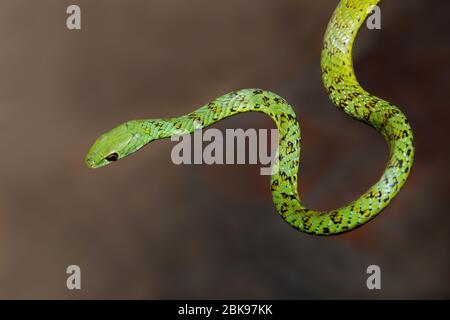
(344, 91)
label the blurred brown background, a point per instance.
(145, 228)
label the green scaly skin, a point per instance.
(344, 91)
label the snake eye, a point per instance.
(112, 157)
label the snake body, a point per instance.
(344, 91)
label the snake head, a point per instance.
(115, 144)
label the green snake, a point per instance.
(344, 91)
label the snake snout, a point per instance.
(90, 162)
